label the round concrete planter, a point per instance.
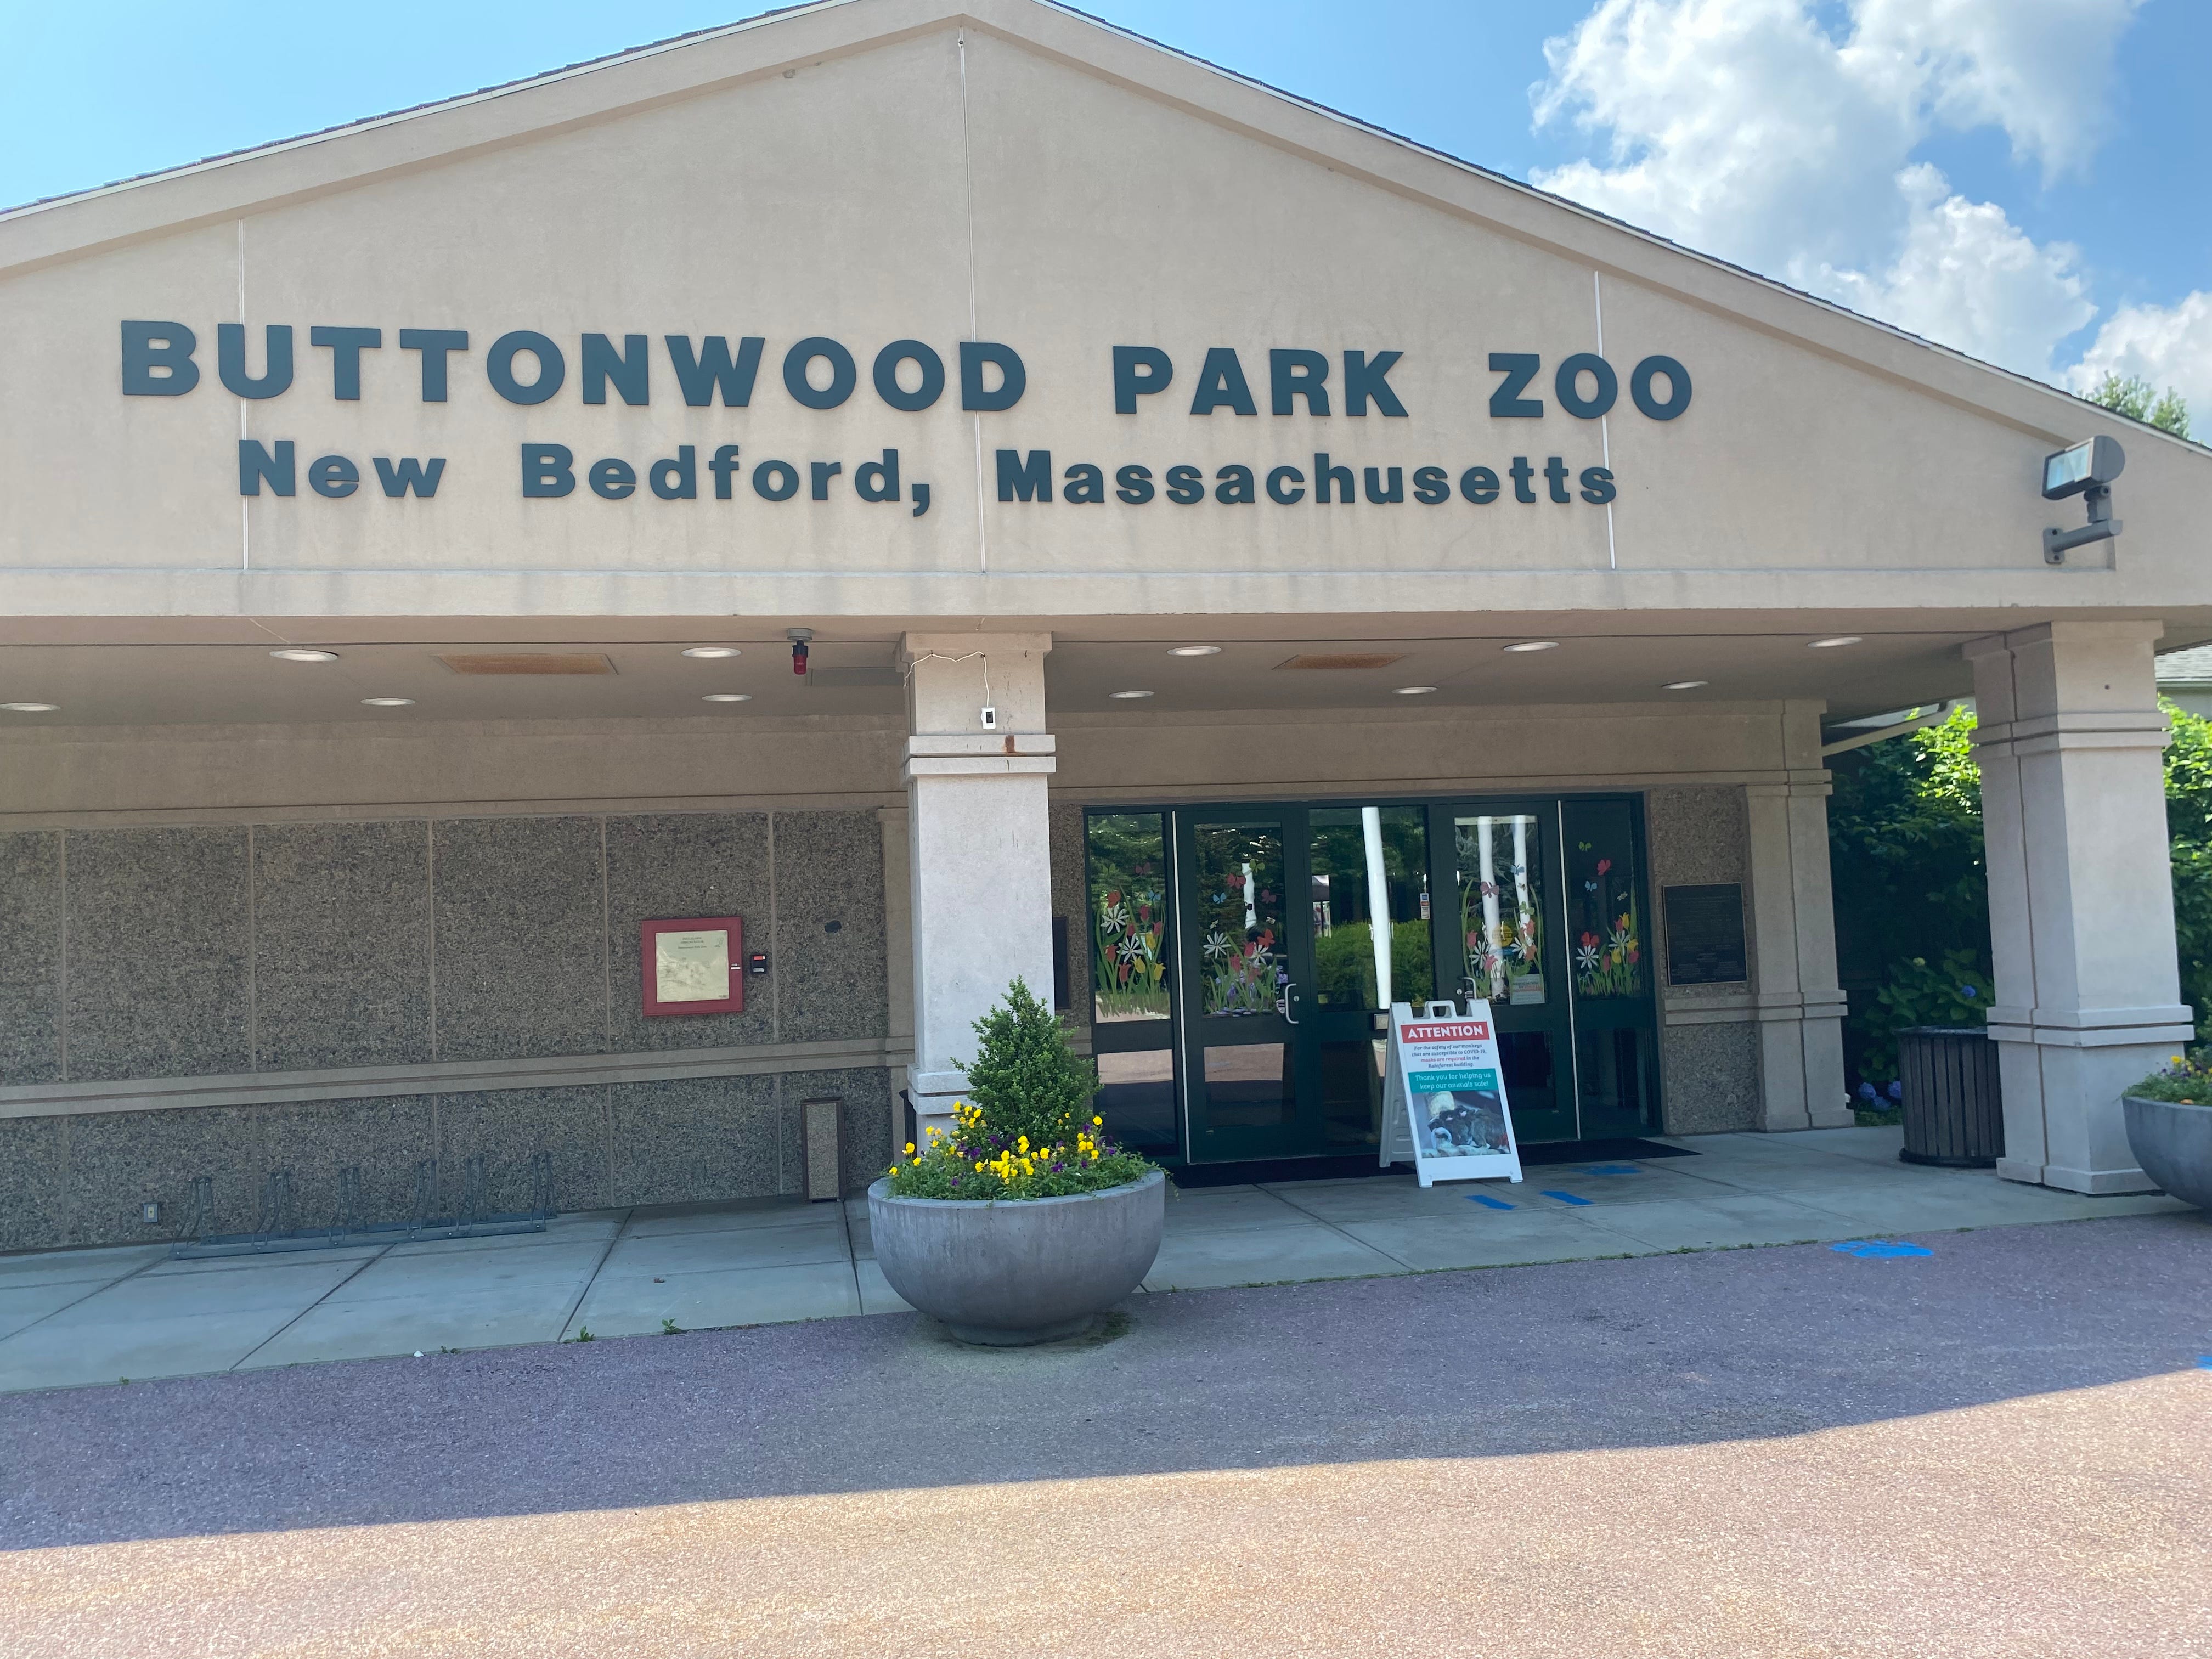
(2172, 1142)
(1009, 1271)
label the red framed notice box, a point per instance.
(693, 966)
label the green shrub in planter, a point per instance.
(1028, 1132)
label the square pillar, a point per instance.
(980, 866)
(2069, 739)
(1800, 1006)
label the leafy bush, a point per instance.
(1024, 1078)
(2187, 1077)
(1344, 964)
(1955, 991)
(1026, 1135)
(1904, 838)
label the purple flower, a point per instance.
(1897, 1090)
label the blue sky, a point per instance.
(2022, 179)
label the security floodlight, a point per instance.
(2090, 465)
(2086, 470)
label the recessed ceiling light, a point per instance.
(1415, 690)
(32, 708)
(1684, 685)
(387, 702)
(1835, 640)
(304, 654)
(1125, 695)
(1535, 645)
(712, 651)
(1195, 651)
(727, 697)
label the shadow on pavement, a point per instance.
(1656, 1350)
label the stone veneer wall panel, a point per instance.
(664, 866)
(827, 965)
(1712, 1077)
(159, 921)
(384, 1138)
(691, 1139)
(1072, 903)
(341, 945)
(116, 1161)
(1698, 837)
(324, 932)
(508, 1126)
(34, 1165)
(30, 958)
(522, 947)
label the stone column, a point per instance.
(1800, 1007)
(2069, 739)
(979, 844)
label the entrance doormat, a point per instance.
(1270, 1170)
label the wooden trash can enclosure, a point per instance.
(1953, 1106)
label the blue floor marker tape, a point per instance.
(1564, 1198)
(1612, 1168)
(2204, 1362)
(1880, 1248)
(1488, 1202)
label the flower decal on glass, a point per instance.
(1609, 962)
(1128, 919)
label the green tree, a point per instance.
(1905, 846)
(1024, 1078)
(2189, 832)
(2133, 397)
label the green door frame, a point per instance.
(1206, 1139)
(1581, 1032)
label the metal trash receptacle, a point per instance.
(1954, 1102)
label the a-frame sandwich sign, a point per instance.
(1444, 1105)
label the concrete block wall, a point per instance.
(455, 952)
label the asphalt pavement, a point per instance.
(2002, 1446)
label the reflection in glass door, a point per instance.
(1132, 979)
(1504, 890)
(1241, 958)
(1616, 1039)
(1367, 862)
(1246, 965)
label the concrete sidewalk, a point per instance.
(77, 1317)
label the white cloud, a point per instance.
(2167, 345)
(1968, 276)
(2040, 69)
(1745, 129)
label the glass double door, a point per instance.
(1243, 956)
(1301, 925)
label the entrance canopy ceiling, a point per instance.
(156, 673)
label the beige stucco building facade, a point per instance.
(1214, 525)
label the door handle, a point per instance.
(1283, 1003)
